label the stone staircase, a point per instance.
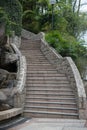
(48, 91)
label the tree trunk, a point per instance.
(74, 5)
(79, 7)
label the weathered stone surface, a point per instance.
(7, 83)
(4, 107)
(3, 75)
(6, 96)
(85, 84)
(8, 58)
(3, 97)
(10, 113)
(7, 79)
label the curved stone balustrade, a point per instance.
(10, 113)
(19, 90)
(67, 65)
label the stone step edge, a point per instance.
(58, 120)
(57, 94)
(63, 90)
(50, 98)
(61, 103)
(48, 85)
(34, 75)
(52, 113)
(10, 113)
(47, 78)
(47, 107)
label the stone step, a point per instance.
(48, 92)
(29, 58)
(47, 81)
(51, 109)
(36, 61)
(44, 72)
(51, 104)
(60, 122)
(38, 64)
(33, 53)
(48, 85)
(50, 89)
(46, 114)
(28, 44)
(50, 99)
(31, 47)
(28, 97)
(50, 95)
(41, 78)
(34, 57)
(40, 68)
(37, 52)
(48, 103)
(45, 75)
(58, 85)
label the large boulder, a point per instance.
(6, 96)
(3, 96)
(3, 76)
(8, 58)
(4, 107)
(7, 79)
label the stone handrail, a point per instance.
(19, 90)
(76, 81)
(50, 52)
(15, 40)
(67, 66)
(27, 34)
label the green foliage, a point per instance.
(3, 16)
(66, 44)
(13, 10)
(31, 21)
(4, 20)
